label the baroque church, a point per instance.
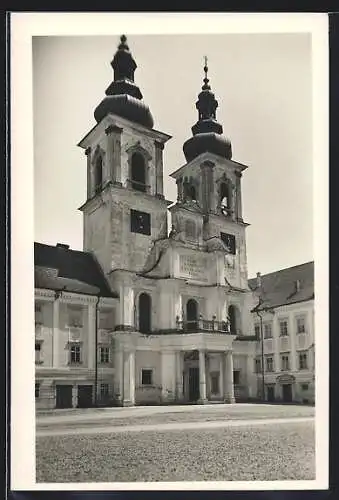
(146, 313)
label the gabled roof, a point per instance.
(59, 268)
(280, 287)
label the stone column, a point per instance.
(202, 376)
(129, 379)
(238, 206)
(91, 336)
(159, 188)
(126, 306)
(207, 185)
(119, 375)
(89, 174)
(221, 377)
(56, 332)
(229, 386)
(113, 153)
(178, 365)
(74, 396)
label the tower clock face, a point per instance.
(140, 222)
(229, 241)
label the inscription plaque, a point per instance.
(194, 267)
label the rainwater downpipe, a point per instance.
(262, 357)
(96, 353)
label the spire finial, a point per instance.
(123, 43)
(206, 80)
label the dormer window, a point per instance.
(138, 172)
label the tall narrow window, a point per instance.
(225, 198)
(138, 172)
(234, 319)
(98, 174)
(145, 313)
(192, 194)
(192, 314)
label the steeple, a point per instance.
(207, 132)
(123, 96)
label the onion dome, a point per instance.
(207, 132)
(123, 96)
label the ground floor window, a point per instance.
(146, 377)
(104, 390)
(215, 382)
(304, 387)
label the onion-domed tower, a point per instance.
(125, 208)
(207, 132)
(123, 96)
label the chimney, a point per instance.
(258, 280)
(62, 245)
(297, 286)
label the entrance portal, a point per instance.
(270, 394)
(85, 393)
(287, 393)
(63, 396)
(193, 384)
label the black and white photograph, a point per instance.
(169, 239)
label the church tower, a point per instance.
(125, 210)
(207, 216)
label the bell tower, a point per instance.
(125, 209)
(208, 211)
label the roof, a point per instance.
(280, 287)
(60, 268)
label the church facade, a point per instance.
(148, 314)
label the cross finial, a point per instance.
(206, 80)
(206, 67)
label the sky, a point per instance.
(263, 83)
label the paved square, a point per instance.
(199, 443)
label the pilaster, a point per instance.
(159, 169)
(89, 179)
(114, 153)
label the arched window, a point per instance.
(138, 172)
(225, 198)
(98, 174)
(234, 319)
(192, 314)
(145, 313)
(192, 192)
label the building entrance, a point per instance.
(85, 395)
(270, 393)
(193, 385)
(287, 393)
(63, 396)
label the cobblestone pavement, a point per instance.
(215, 442)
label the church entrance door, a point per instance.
(193, 383)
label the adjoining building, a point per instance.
(284, 322)
(143, 315)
